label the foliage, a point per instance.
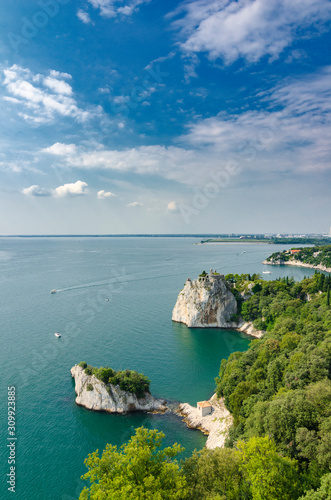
(131, 381)
(89, 370)
(281, 386)
(138, 470)
(323, 493)
(128, 380)
(270, 475)
(89, 387)
(212, 474)
(82, 364)
(317, 255)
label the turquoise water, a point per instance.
(142, 278)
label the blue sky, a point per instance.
(146, 116)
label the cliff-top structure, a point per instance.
(206, 302)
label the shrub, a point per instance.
(89, 387)
(127, 380)
(82, 364)
(88, 370)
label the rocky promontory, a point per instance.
(216, 424)
(206, 302)
(94, 394)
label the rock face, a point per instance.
(114, 401)
(206, 302)
(248, 328)
(216, 425)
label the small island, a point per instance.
(318, 257)
(104, 389)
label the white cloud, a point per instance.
(72, 189)
(173, 207)
(59, 86)
(84, 16)
(248, 29)
(58, 74)
(11, 99)
(60, 149)
(135, 204)
(111, 8)
(121, 99)
(102, 195)
(290, 135)
(293, 134)
(41, 103)
(36, 190)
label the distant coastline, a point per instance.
(318, 267)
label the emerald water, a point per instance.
(142, 278)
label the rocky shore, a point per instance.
(248, 328)
(93, 394)
(297, 263)
(216, 425)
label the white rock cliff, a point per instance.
(114, 401)
(206, 302)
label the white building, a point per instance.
(204, 408)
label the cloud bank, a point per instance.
(248, 29)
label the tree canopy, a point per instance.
(140, 469)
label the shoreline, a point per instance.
(216, 425)
(319, 267)
(245, 327)
(249, 329)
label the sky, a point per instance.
(151, 116)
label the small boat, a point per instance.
(266, 272)
(57, 335)
(107, 300)
(243, 252)
(53, 291)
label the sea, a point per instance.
(141, 278)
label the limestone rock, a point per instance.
(206, 302)
(216, 425)
(114, 401)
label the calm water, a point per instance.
(142, 278)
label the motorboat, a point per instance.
(53, 291)
(58, 335)
(266, 272)
(107, 300)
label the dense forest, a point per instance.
(318, 255)
(279, 393)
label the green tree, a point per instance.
(215, 474)
(138, 470)
(270, 475)
(323, 493)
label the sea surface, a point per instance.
(141, 277)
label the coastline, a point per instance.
(216, 425)
(319, 267)
(249, 329)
